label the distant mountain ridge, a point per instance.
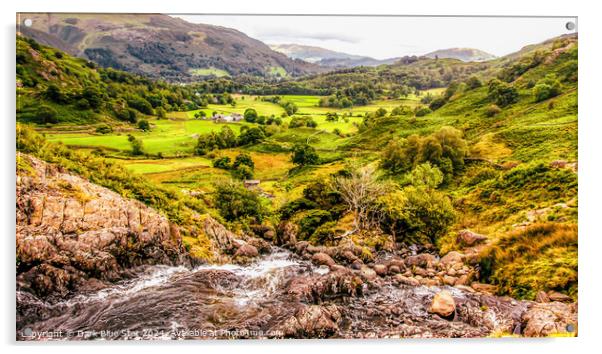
(464, 54)
(326, 57)
(161, 46)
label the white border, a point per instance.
(590, 131)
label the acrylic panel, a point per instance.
(197, 176)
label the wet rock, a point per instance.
(420, 271)
(380, 269)
(443, 304)
(313, 289)
(322, 259)
(301, 246)
(560, 297)
(544, 319)
(246, 251)
(313, 321)
(452, 258)
(349, 256)
(468, 238)
(357, 265)
(287, 233)
(262, 246)
(542, 297)
(484, 288)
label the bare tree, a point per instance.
(360, 192)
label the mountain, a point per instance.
(160, 46)
(464, 54)
(326, 57)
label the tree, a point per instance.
(304, 154)
(360, 191)
(47, 114)
(234, 202)
(243, 159)
(546, 88)
(250, 115)
(242, 172)
(55, 94)
(381, 112)
(501, 93)
(144, 125)
(418, 213)
(395, 158)
(473, 83)
(137, 146)
(222, 162)
(160, 112)
(93, 95)
(251, 136)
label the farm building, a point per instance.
(221, 118)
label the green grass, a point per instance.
(211, 71)
(277, 71)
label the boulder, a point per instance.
(448, 280)
(262, 246)
(367, 273)
(542, 297)
(380, 269)
(246, 251)
(443, 304)
(484, 288)
(394, 269)
(468, 238)
(421, 260)
(322, 259)
(313, 321)
(560, 297)
(544, 319)
(400, 279)
(452, 258)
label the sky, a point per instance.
(388, 37)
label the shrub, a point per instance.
(311, 221)
(501, 93)
(547, 88)
(243, 159)
(242, 172)
(235, 202)
(137, 146)
(422, 111)
(250, 115)
(473, 82)
(492, 110)
(47, 114)
(304, 154)
(222, 162)
(144, 125)
(104, 129)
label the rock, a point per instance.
(69, 230)
(322, 259)
(380, 269)
(542, 297)
(560, 297)
(367, 274)
(468, 238)
(394, 269)
(287, 233)
(452, 258)
(301, 246)
(406, 280)
(357, 265)
(465, 288)
(313, 321)
(430, 282)
(544, 319)
(262, 246)
(421, 260)
(420, 271)
(349, 256)
(463, 280)
(484, 288)
(443, 304)
(246, 251)
(448, 280)
(313, 289)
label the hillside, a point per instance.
(161, 46)
(464, 54)
(327, 58)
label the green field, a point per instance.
(209, 72)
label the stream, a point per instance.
(250, 301)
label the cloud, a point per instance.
(295, 35)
